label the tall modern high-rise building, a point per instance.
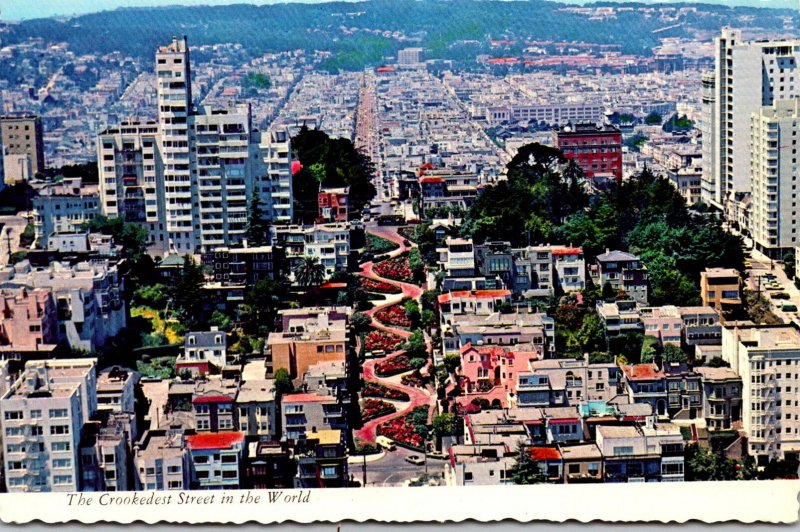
(747, 76)
(188, 178)
(44, 412)
(774, 223)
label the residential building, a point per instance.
(646, 383)
(490, 372)
(475, 302)
(565, 382)
(187, 177)
(204, 352)
(106, 453)
(329, 243)
(213, 403)
(269, 465)
(217, 459)
(256, 402)
(307, 339)
(746, 77)
(583, 463)
(773, 176)
(684, 394)
(116, 390)
(623, 271)
(479, 465)
(321, 460)
(596, 148)
(410, 56)
(518, 331)
(664, 323)
(162, 461)
(303, 414)
(22, 147)
(721, 288)
(333, 204)
(700, 326)
(721, 397)
(28, 321)
(619, 317)
(457, 258)
(642, 453)
(43, 414)
(63, 208)
(767, 360)
(88, 297)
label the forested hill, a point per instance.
(362, 33)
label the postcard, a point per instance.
(399, 261)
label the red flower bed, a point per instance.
(396, 268)
(408, 430)
(375, 408)
(382, 341)
(407, 233)
(394, 315)
(392, 366)
(374, 389)
(414, 379)
(380, 287)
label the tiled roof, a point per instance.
(616, 256)
(544, 453)
(567, 251)
(214, 440)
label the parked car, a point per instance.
(415, 459)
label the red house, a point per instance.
(333, 204)
(597, 148)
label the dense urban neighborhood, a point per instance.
(460, 258)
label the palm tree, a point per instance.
(309, 272)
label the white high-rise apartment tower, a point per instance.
(42, 416)
(188, 178)
(774, 223)
(747, 76)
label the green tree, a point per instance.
(452, 362)
(153, 296)
(187, 294)
(789, 265)
(674, 354)
(283, 382)
(309, 272)
(257, 224)
(428, 319)
(525, 470)
(260, 307)
(718, 362)
(417, 362)
(360, 322)
(415, 345)
(704, 464)
(653, 118)
(445, 425)
(412, 312)
(220, 320)
(591, 336)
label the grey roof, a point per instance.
(616, 256)
(205, 339)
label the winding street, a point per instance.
(418, 396)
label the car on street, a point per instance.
(415, 459)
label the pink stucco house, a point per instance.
(490, 372)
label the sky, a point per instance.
(28, 9)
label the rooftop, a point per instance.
(642, 372)
(214, 440)
(307, 398)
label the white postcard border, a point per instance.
(747, 502)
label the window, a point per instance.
(201, 459)
(36, 414)
(574, 469)
(15, 466)
(619, 451)
(201, 409)
(62, 479)
(108, 458)
(58, 413)
(228, 459)
(13, 414)
(230, 474)
(59, 446)
(62, 463)
(175, 485)
(59, 429)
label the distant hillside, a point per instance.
(362, 33)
